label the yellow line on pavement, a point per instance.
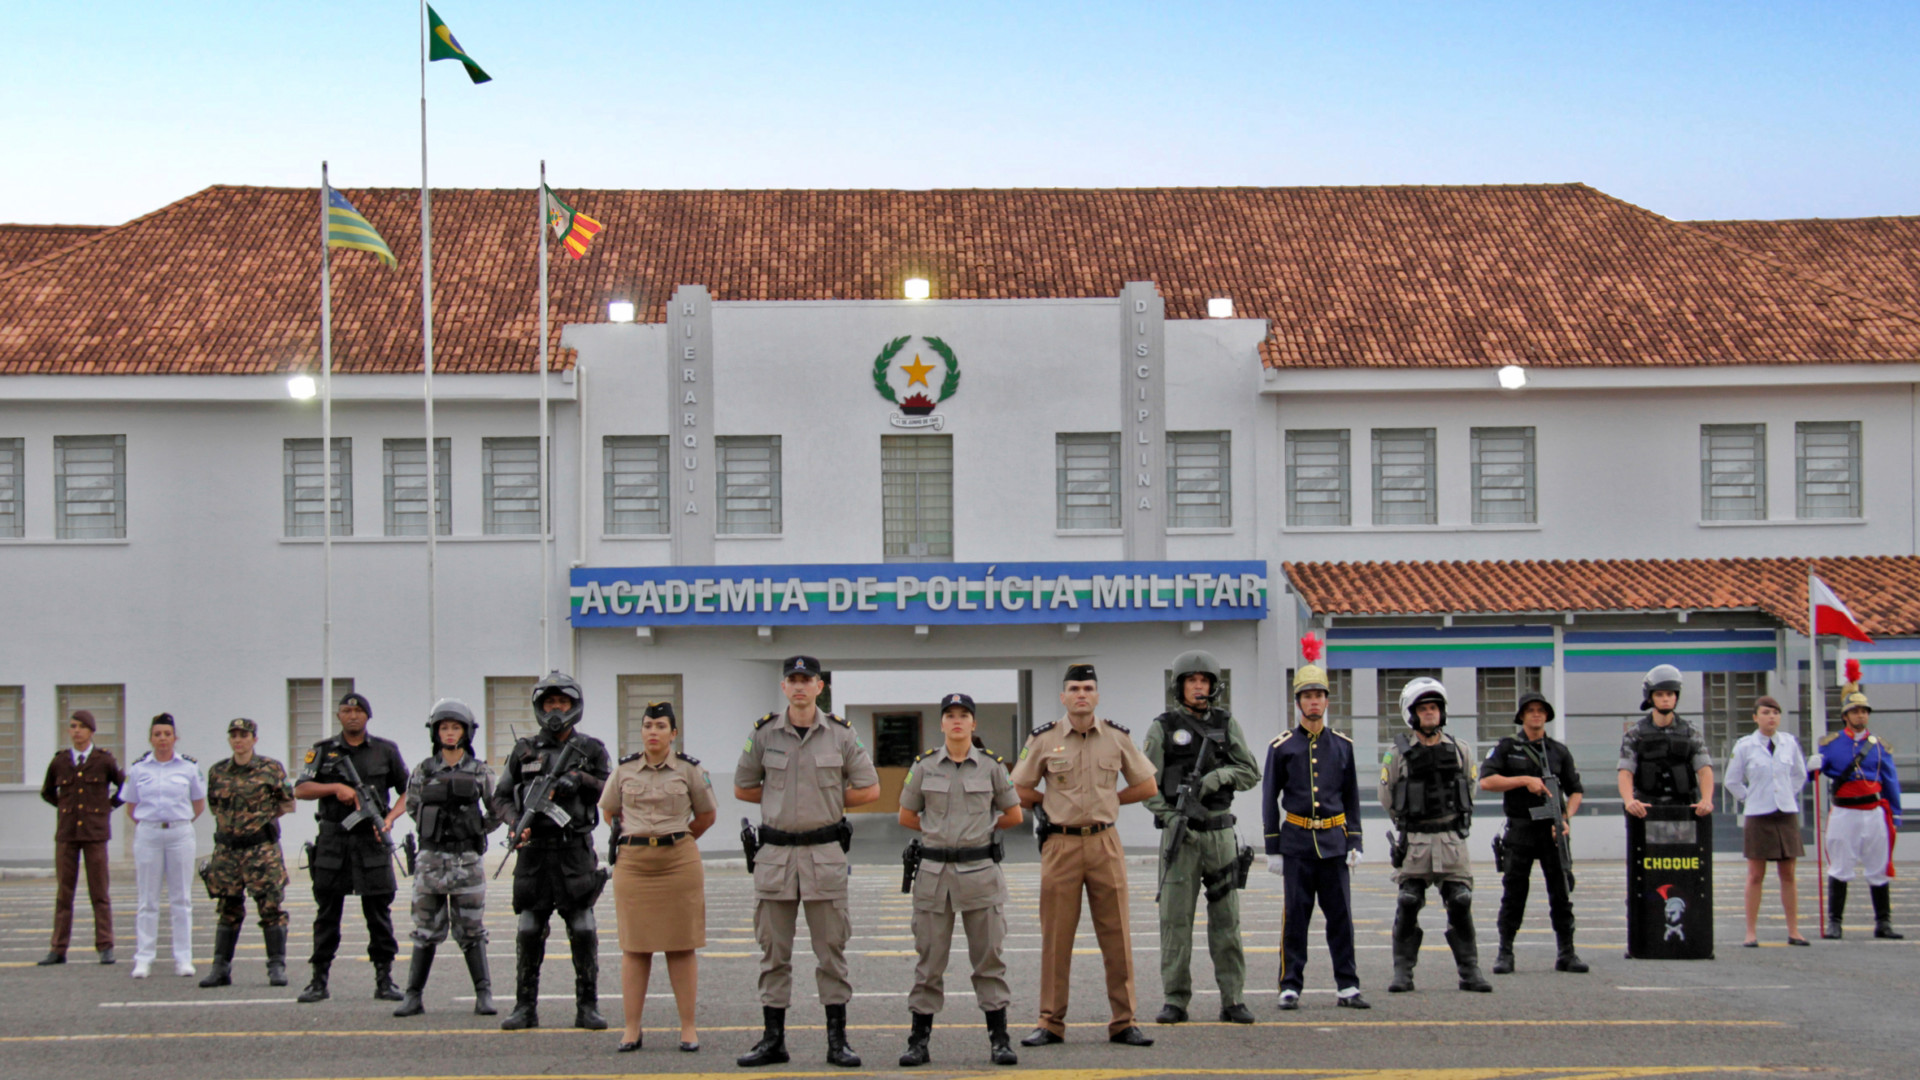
(1471, 1073)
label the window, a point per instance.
(1829, 454)
(1086, 469)
(1728, 713)
(1319, 478)
(896, 740)
(636, 693)
(1390, 681)
(404, 462)
(90, 487)
(1830, 686)
(509, 713)
(13, 735)
(13, 518)
(305, 473)
(1503, 476)
(1498, 691)
(1733, 472)
(310, 713)
(749, 471)
(916, 497)
(510, 486)
(107, 703)
(1403, 476)
(634, 469)
(1339, 700)
(1199, 479)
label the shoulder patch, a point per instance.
(1048, 726)
(688, 758)
(635, 756)
(1117, 727)
(765, 720)
(309, 758)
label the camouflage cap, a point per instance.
(242, 724)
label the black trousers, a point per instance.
(1309, 881)
(1527, 844)
(378, 908)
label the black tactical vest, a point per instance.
(451, 818)
(1664, 775)
(1180, 751)
(1433, 787)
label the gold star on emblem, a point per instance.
(917, 372)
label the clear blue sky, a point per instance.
(1690, 109)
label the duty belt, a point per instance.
(1432, 826)
(248, 840)
(826, 834)
(1333, 822)
(653, 841)
(1214, 823)
(1075, 830)
(456, 847)
(960, 854)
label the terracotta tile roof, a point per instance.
(225, 281)
(1876, 257)
(22, 244)
(1883, 591)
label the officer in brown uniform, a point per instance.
(1081, 758)
(76, 785)
(805, 768)
(958, 796)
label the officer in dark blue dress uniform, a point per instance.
(1310, 800)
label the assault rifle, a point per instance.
(1555, 810)
(1186, 811)
(369, 810)
(537, 799)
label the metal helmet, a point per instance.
(1417, 691)
(553, 723)
(1662, 677)
(1196, 662)
(451, 709)
(1310, 677)
(1855, 698)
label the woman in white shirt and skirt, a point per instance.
(164, 793)
(1766, 773)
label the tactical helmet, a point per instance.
(1417, 691)
(553, 723)
(1196, 662)
(451, 709)
(1309, 677)
(1662, 677)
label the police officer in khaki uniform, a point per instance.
(1079, 758)
(805, 768)
(957, 795)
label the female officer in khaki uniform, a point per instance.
(659, 803)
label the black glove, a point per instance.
(566, 785)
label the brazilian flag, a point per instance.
(442, 45)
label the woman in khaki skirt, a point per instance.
(659, 803)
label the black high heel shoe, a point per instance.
(627, 1047)
(689, 1047)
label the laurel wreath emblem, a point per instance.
(892, 349)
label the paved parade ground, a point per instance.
(1836, 1009)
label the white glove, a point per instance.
(1353, 858)
(1274, 867)
(1815, 762)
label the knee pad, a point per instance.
(1413, 896)
(580, 922)
(1457, 895)
(532, 924)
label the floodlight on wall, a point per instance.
(302, 388)
(1513, 377)
(620, 310)
(1220, 307)
(918, 288)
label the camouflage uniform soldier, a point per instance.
(448, 794)
(247, 794)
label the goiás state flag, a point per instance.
(1830, 616)
(572, 228)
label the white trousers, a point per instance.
(1857, 836)
(163, 860)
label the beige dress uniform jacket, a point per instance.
(659, 892)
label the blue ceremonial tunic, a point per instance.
(1311, 776)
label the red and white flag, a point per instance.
(1830, 616)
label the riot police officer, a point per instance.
(450, 796)
(353, 855)
(1200, 756)
(1426, 788)
(248, 794)
(1520, 767)
(958, 795)
(1663, 759)
(556, 868)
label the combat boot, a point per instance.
(417, 969)
(838, 1052)
(1466, 960)
(1503, 960)
(586, 981)
(531, 950)
(1883, 912)
(1568, 960)
(476, 953)
(276, 938)
(1406, 952)
(999, 1040)
(772, 1047)
(221, 972)
(1836, 905)
(917, 1053)
(317, 986)
(383, 986)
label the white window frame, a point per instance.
(510, 485)
(13, 734)
(627, 485)
(1733, 472)
(301, 476)
(747, 478)
(1086, 471)
(1496, 697)
(1307, 481)
(1504, 489)
(509, 713)
(1394, 480)
(70, 451)
(13, 488)
(1200, 479)
(911, 511)
(311, 715)
(639, 691)
(404, 486)
(1820, 469)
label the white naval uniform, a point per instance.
(163, 794)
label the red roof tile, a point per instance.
(1875, 257)
(226, 281)
(1883, 591)
(22, 244)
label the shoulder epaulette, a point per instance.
(688, 758)
(1117, 727)
(1282, 738)
(635, 756)
(1046, 727)
(1349, 738)
(143, 757)
(1829, 738)
(845, 723)
(929, 753)
(765, 720)
(191, 760)
(995, 757)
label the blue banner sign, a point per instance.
(919, 594)
(1688, 650)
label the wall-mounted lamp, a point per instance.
(620, 311)
(1513, 377)
(1220, 307)
(302, 388)
(918, 288)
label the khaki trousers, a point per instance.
(1097, 864)
(774, 924)
(66, 870)
(986, 938)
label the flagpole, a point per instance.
(326, 461)
(546, 518)
(426, 349)
(1816, 727)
